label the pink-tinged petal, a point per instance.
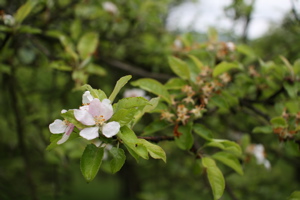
(87, 97)
(106, 109)
(110, 129)
(95, 108)
(67, 134)
(89, 133)
(69, 129)
(64, 138)
(84, 117)
(58, 126)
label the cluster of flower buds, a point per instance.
(191, 102)
(93, 116)
(223, 50)
(291, 128)
(209, 86)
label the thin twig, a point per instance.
(157, 139)
(247, 104)
(136, 70)
(20, 133)
(230, 192)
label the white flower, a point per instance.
(107, 147)
(178, 43)
(230, 46)
(110, 7)
(87, 97)
(8, 20)
(135, 93)
(60, 126)
(97, 113)
(258, 151)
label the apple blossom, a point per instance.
(110, 7)
(60, 126)
(258, 151)
(96, 114)
(135, 93)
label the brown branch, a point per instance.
(157, 139)
(230, 192)
(249, 105)
(20, 134)
(136, 70)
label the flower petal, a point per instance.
(110, 129)
(87, 97)
(84, 117)
(106, 109)
(58, 126)
(95, 107)
(64, 138)
(67, 134)
(89, 133)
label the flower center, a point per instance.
(66, 122)
(99, 120)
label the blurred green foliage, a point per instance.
(45, 55)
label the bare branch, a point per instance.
(157, 139)
(136, 70)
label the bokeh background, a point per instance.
(39, 79)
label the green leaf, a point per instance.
(219, 101)
(29, 29)
(148, 108)
(179, 67)
(175, 84)
(186, 140)
(230, 160)
(202, 131)
(60, 65)
(292, 89)
(154, 87)
(156, 126)
(225, 145)
(131, 102)
(215, 177)
(90, 161)
(126, 109)
(24, 11)
(131, 142)
(95, 69)
(296, 67)
(124, 116)
(197, 62)
(263, 129)
(141, 150)
(65, 41)
(120, 83)
(246, 50)
(99, 94)
(75, 29)
(87, 44)
(295, 196)
(118, 159)
(278, 122)
(224, 67)
(154, 150)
